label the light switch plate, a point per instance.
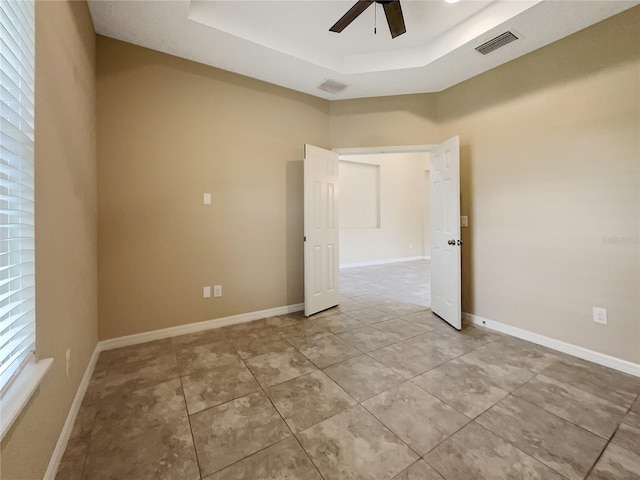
(464, 221)
(206, 199)
(206, 292)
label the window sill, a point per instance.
(20, 391)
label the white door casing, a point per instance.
(321, 230)
(445, 232)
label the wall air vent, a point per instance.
(496, 43)
(332, 86)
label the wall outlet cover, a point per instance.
(600, 315)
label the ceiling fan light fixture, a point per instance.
(452, 1)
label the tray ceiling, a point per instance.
(288, 43)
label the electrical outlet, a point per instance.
(206, 199)
(217, 290)
(67, 362)
(600, 315)
(206, 292)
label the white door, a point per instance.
(445, 232)
(321, 230)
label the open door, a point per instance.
(321, 230)
(445, 232)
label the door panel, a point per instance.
(445, 232)
(321, 259)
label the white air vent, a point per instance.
(496, 43)
(332, 86)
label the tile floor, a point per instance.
(377, 388)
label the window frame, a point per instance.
(20, 372)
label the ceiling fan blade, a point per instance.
(351, 15)
(393, 11)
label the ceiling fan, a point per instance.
(392, 11)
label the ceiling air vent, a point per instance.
(332, 86)
(496, 43)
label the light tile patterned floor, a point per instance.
(377, 388)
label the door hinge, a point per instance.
(305, 239)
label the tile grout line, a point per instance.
(360, 403)
(394, 433)
(610, 440)
(193, 438)
(324, 373)
(261, 389)
(558, 416)
(180, 377)
(357, 403)
(510, 394)
(284, 421)
(510, 442)
(517, 448)
(186, 408)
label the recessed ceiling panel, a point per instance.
(301, 28)
(288, 43)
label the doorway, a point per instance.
(382, 208)
(322, 231)
(384, 229)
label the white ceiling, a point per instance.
(288, 43)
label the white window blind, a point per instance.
(17, 274)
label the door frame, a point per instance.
(389, 149)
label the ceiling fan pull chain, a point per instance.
(392, 12)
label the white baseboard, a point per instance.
(65, 434)
(197, 327)
(382, 262)
(564, 347)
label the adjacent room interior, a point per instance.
(384, 219)
(384, 208)
(128, 138)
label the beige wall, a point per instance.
(534, 183)
(550, 176)
(66, 241)
(403, 196)
(384, 121)
(550, 158)
(168, 131)
(550, 148)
